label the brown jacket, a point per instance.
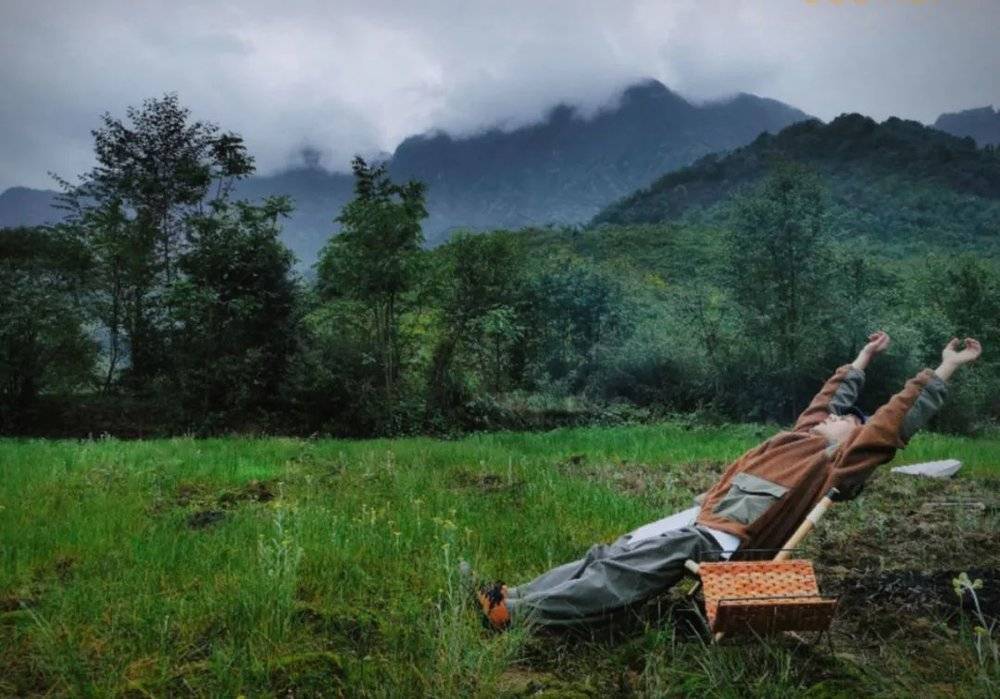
(764, 495)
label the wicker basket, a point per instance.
(764, 597)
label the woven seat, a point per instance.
(764, 597)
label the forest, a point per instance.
(163, 305)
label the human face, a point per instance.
(837, 428)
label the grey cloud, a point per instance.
(351, 76)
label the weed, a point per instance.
(278, 556)
(983, 632)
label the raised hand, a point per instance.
(878, 342)
(969, 353)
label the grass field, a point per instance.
(289, 567)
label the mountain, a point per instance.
(566, 168)
(898, 180)
(318, 196)
(21, 206)
(981, 124)
(562, 170)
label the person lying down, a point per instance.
(756, 505)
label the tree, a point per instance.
(578, 314)
(43, 344)
(480, 281)
(233, 310)
(779, 275)
(374, 260)
(964, 296)
(154, 172)
(120, 278)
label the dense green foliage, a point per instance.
(43, 344)
(188, 294)
(233, 313)
(898, 182)
(154, 173)
(170, 308)
(373, 263)
(278, 567)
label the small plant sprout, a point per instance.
(986, 646)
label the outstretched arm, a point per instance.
(952, 358)
(842, 389)
(895, 423)
(878, 342)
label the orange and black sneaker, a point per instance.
(493, 603)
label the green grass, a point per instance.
(329, 567)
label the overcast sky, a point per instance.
(345, 77)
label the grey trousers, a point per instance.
(609, 578)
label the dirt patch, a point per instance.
(669, 485)
(202, 519)
(487, 483)
(207, 505)
(358, 633)
(306, 674)
(64, 567)
(254, 491)
(21, 675)
(909, 523)
(200, 495)
(918, 593)
(524, 682)
(60, 569)
(188, 493)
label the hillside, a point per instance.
(562, 170)
(896, 181)
(21, 206)
(318, 196)
(981, 124)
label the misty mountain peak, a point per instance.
(649, 90)
(562, 169)
(979, 123)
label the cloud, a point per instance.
(349, 76)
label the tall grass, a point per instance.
(244, 566)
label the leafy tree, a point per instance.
(961, 298)
(499, 332)
(154, 171)
(578, 313)
(375, 261)
(43, 344)
(120, 279)
(233, 310)
(480, 295)
(780, 275)
(331, 385)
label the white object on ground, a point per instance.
(933, 469)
